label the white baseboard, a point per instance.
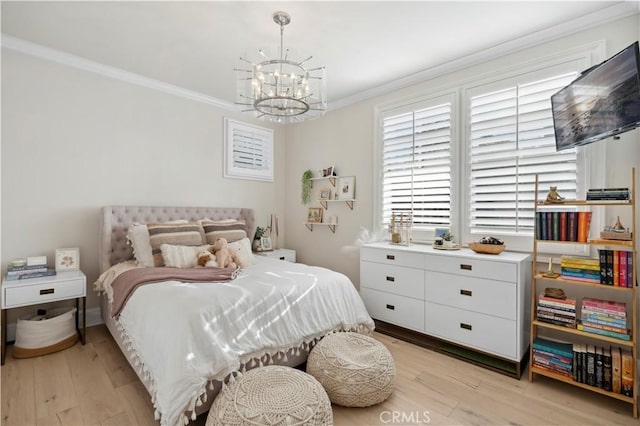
(93, 318)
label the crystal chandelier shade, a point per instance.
(281, 90)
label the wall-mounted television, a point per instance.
(604, 101)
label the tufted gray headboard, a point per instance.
(115, 222)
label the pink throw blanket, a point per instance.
(127, 282)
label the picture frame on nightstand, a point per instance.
(265, 244)
(67, 259)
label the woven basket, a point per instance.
(487, 248)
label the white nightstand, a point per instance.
(35, 291)
(282, 254)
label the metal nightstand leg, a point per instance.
(83, 333)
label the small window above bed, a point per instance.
(248, 151)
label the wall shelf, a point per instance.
(331, 226)
(325, 203)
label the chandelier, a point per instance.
(281, 90)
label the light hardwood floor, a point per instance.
(94, 385)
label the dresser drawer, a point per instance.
(478, 331)
(403, 311)
(398, 280)
(30, 294)
(392, 257)
(501, 271)
(496, 298)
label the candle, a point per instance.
(550, 264)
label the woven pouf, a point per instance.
(272, 395)
(355, 370)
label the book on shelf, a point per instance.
(47, 273)
(552, 346)
(577, 365)
(608, 305)
(616, 267)
(588, 329)
(616, 369)
(591, 365)
(626, 373)
(599, 366)
(562, 225)
(606, 369)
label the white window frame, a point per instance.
(420, 234)
(262, 138)
(591, 157)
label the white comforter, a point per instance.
(187, 334)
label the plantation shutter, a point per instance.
(248, 151)
(511, 140)
(416, 164)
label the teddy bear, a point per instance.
(553, 196)
(207, 259)
(224, 255)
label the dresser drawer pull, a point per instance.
(391, 307)
(392, 279)
(465, 292)
(281, 257)
(47, 291)
(465, 326)
(391, 257)
(465, 267)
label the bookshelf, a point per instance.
(577, 289)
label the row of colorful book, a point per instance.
(604, 317)
(556, 311)
(610, 369)
(28, 271)
(616, 267)
(580, 269)
(563, 226)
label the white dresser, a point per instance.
(478, 301)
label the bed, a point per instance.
(185, 339)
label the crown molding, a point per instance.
(42, 52)
(613, 13)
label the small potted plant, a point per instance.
(447, 239)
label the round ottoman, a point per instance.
(272, 395)
(355, 370)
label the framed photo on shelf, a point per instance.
(314, 215)
(346, 188)
(439, 232)
(328, 172)
(325, 194)
(67, 259)
(265, 244)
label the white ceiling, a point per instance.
(364, 45)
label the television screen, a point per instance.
(602, 102)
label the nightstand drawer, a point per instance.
(30, 294)
(282, 254)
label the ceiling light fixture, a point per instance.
(282, 90)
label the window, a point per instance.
(415, 160)
(511, 140)
(248, 151)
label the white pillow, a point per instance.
(138, 236)
(181, 256)
(242, 250)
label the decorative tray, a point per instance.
(453, 247)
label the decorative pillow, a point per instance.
(181, 256)
(183, 234)
(243, 253)
(138, 236)
(230, 229)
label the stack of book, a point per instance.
(609, 368)
(28, 271)
(556, 357)
(580, 269)
(556, 311)
(563, 226)
(608, 194)
(616, 268)
(604, 317)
